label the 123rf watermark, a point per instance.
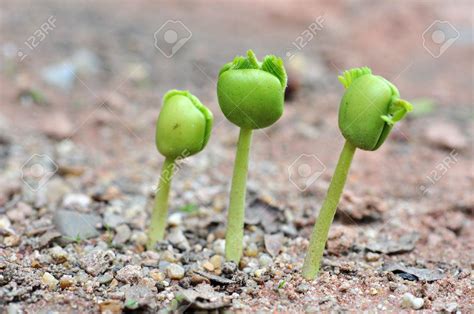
(304, 38)
(37, 37)
(439, 171)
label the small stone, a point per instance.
(445, 135)
(97, 261)
(110, 307)
(451, 307)
(251, 250)
(113, 220)
(58, 254)
(217, 261)
(410, 301)
(260, 272)
(12, 240)
(66, 281)
(168, 257)
(265, 260)
(273, 243)
(175, 271)
(198, 279)
(175, 219)
(344, 286)
(129, 274)
(76, 225)
(372, 257)
(373, 291)
(302, 288)
(59, 126)
(219, 247)
(105, 278)
(139, 238)
(122, 234)
(157, 275)
(49, 281)
(208, 266)
(76, 201)
(177, 239)
(229, 268)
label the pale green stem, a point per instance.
(319, 236)
(159, 216)
(236, 212)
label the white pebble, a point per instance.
(410, 301)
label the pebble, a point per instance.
(157, 275)
(344, 286)
(265, 260)
(168, 256)
(139, 238)
(11, 240)
(113, 220)
(129, 274)
(302, 288)
(177, 239)
(372, 257)
(59, 126)
(123, 233)
(76, 201)
(97, 261)
(410, 301)
(229, 268)
(219, 247)
(74, 224)
(105, 278)
(251, 250)
(445, 135)
(49, 281)
(175, 219)
(66, 281)
(207, 265)
(217, 261)
(58, 254)
(110, 307)
(260, 272)
(175, 271)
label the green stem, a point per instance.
(159, 216)
(326, 215)
(236, 212)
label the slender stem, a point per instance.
(236, 212)
(326, 215)
(159, 216)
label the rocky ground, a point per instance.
(78, 163)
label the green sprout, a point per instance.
(369, 108)
(251, 96)
(183, 129)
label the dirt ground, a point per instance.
(80, 90)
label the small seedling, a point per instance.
(251, 96)
(183, 129)
(369, 108)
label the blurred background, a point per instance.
(81, 85)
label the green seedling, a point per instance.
(370, 107)
(251, 96)
(183, 129)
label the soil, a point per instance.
(403, 234)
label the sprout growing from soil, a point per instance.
(183, 129)
(369, 108)
(251, 96)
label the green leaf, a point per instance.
(349, 76)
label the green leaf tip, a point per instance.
(271, 64)
(397, 111)
(349, 76)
